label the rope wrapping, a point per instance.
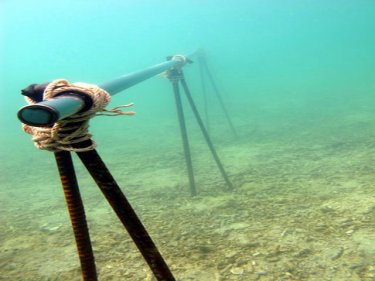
(73, 129)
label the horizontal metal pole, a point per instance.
(119, 84)
(46, 113)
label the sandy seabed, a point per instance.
(300, 210)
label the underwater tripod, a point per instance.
(46, 112)
(176, 76)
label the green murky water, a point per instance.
(297, 79)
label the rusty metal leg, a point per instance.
(126, 214)
(77, 214)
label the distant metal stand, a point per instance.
(204, 70)
(176, 76)
(119, 204)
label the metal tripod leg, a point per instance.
(120, 205)
(77, 214)
(204, 92)
(126, 214)
(204, 131)
(184, 136)
(204, 66)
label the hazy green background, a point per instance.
(286, 68)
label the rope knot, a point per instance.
(73, 129)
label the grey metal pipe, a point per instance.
(121, 83)
(46, 113)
